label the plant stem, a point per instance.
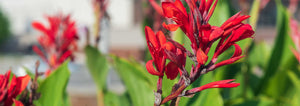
(100, 98)
(158, 93)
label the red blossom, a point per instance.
(11, 88)
(157, 46)
(202, 35)
(58, 40)
(216, 84)
(18, 103)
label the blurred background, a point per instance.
(124, 30)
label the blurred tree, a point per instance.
(4, 26)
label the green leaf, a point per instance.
(296, 83)
(32, 75)
(259, 55)
(97, 65)
(179, 36)
(112, 99)
(280, 52)
(140, 90)
(53, 88)
(221, 14)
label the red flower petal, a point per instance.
(217, 84)
(229, 61)
(161, 38)
(180, 6)
(156, 7)
(211, 10)
(234, 20)
(245, 31)
(17, 103)
(40, 27)
(39, 52)
(216, 33)
(237, 51)
(201, 57)
(181, 57)
(151, 69)
(170, 47)
(171, 11)
(171, 27)
(12, 87)
(172, 71)
(65, 56)
(150, 37)
(22, 83)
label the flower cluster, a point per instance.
(10, 87)
(202, 35)
(58, 41)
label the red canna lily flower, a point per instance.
(157, 46)
(177, 58)
(58, 40)
(11, 88)
(202, 35)
(155, 43)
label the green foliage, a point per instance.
(137, 81)
(221, 14)
(97, 65)
(4, 27)
(281, 51)
(112, 99)
(53, 88)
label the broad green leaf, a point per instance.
(142, 73)
(112, 99)
(239, 91)
(97, 65)
(140, 91)
(179, 36)
(259, 55)
(280, 52)
(295, 80)
(296, 83)
(53, 88)
(279, 85)
(255, 102)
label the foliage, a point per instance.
(53, 88)
(4, 27)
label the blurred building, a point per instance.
(124, 33)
